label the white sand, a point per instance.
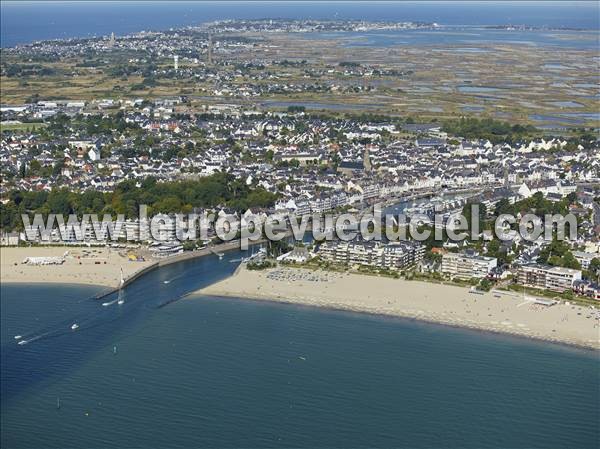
(92, 266)
(426, 301)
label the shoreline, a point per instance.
(566, 344)
(89, 265)
(427, 302)
(99, 266)
(432, 303)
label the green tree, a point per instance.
(467, 212)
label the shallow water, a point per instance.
(216, 372)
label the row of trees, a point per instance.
(558, 254)
(220, 189)
(493, 130)
(23, 70)
(498, 132)
(536, 204)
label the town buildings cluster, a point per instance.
(311, 162)
(307, 160)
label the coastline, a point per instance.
(82, 265)
(435, 303)
(497, 312)
(86, 266)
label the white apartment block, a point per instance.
(465, 266)
(375, 254)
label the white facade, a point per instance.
(465, 266)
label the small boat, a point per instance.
(18, 337)
(109, 303)
(115, 350)
(121, 301)
(74, 326)
(166, 282)
(23, 342)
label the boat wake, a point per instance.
(24, 341)
(75, 322)
(168, 281)
(140, 295)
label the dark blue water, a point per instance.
(213, 372)
(23, 22)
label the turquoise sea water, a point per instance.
(214, 372)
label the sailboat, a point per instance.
(121, 298)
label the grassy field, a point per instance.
(21, 126)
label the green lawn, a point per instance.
(21, 126)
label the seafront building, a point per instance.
(547, 277)
(467, 266)
(392, 256)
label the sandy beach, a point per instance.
(91, 266)
(494, 311)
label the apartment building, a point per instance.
(394, 256)
(585, 258)
(557, 279)
(467, 266)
